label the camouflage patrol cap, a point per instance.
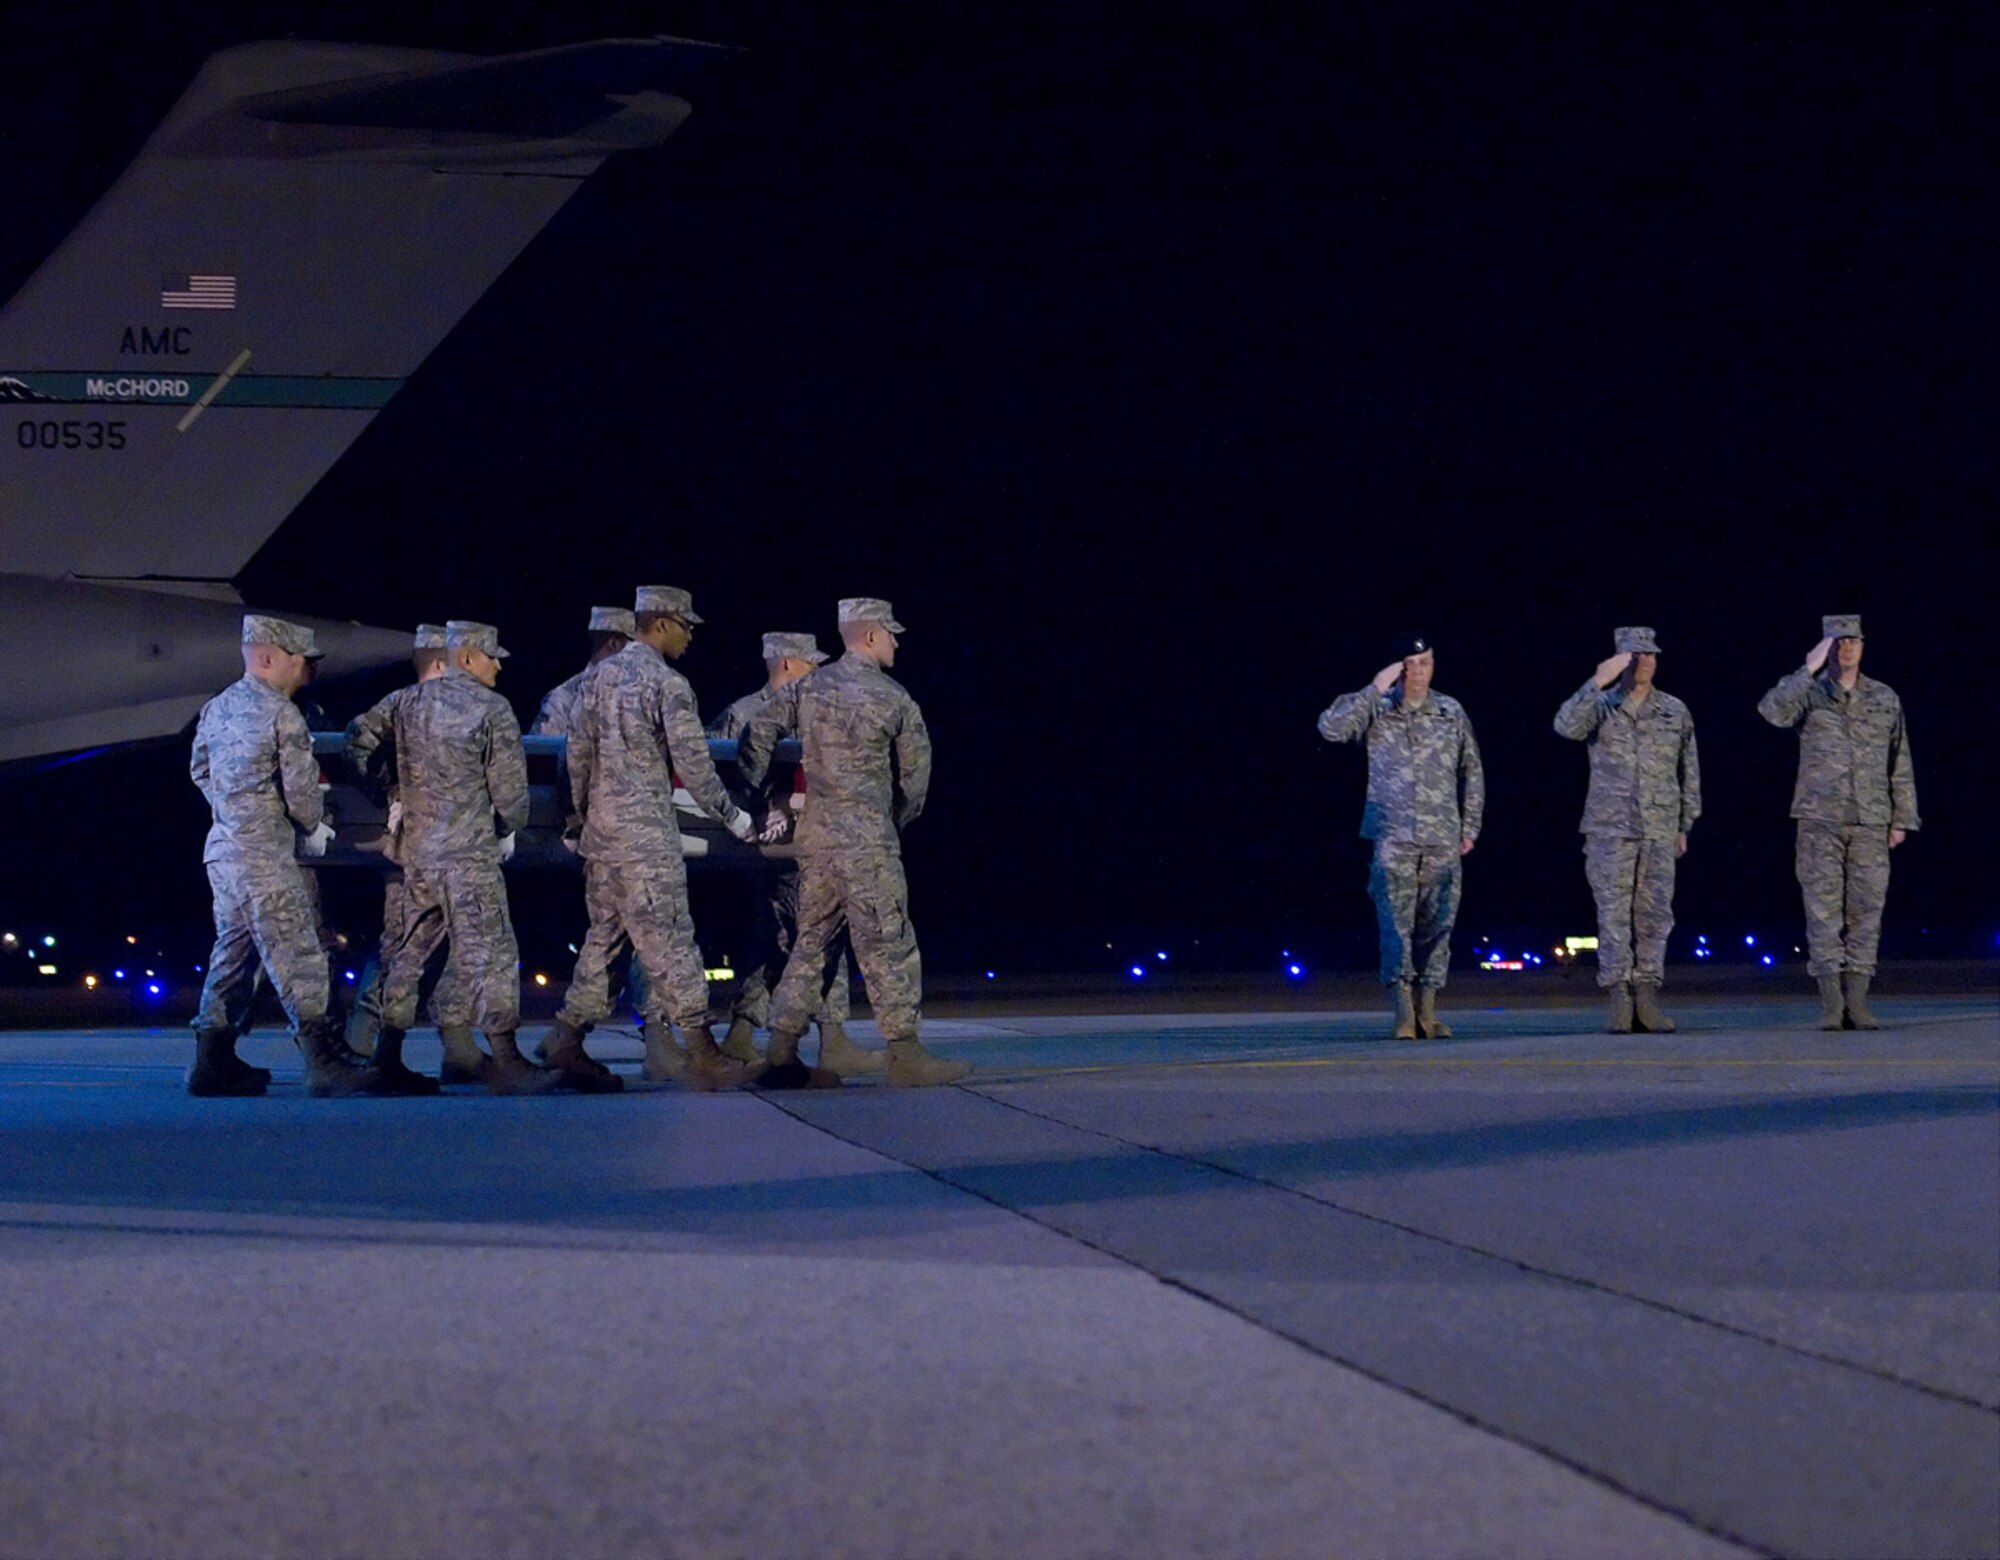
(292, 638)
(806, 648)
(612, 620)
(430, 636)
(869, 609)
(462, 634)
(1635, 641)
(670, 599)
(1407, 645)
(1841, 625)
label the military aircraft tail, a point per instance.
(301, 231)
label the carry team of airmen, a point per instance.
(447, 751)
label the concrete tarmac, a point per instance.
(1147, 1285)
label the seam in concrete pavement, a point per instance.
(1594, 1475)
(1595, 1285)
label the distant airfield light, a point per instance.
(154, 989)
(1749, 941)
(1138, 972)
(45, 969)
(572, 947)
(117, 974)
(1699, 938)
(48, 942)
(989, 974)
(348, 975)
(90, 983)
(1161, 957)
(8, 940)
(1295, 970)
(541, 980)
(132, 941)
(149, 974)
(1765, 960)
(1580, 944)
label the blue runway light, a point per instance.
(1161, 957)
(1765, 960)
(48, 942)
(1138, 972)
(350, 975)
(989, 974)
(1699, 938)
(1294, 970)
(153, 989)
(117, 974)
(1749, 941)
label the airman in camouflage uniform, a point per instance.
(868, 771)
(464, 1062)
(1645, 794)
(1426, 800)
(253, 761)
(787, 658)
(637, 726)
(462, 780)
(1855, 801)
(611, 630)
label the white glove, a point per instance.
(506, 847)
(742, 825)
(776, 827)
(315, 843)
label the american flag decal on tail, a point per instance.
(184, 291)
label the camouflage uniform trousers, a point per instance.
(460, 907)
(1844, 876)
(1415, 889)
(1633, 882)
(264, 915)
(447, 998)
(643, 906)
(772, 935)
(854, 902)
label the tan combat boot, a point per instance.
(665, 1061)
(1832, 1005)
(463, 1061)
(912, 1067)
(740, 1044)
(707, 1067)
(1406, 1013)
(509, 1072)
(393, 1076)
(1429, 1025)
(1858, 1010)
(1618, 1015)
(562, 1049)
(219, 1072)
(839, 1054)
(332, 1070)
(1646, 1002)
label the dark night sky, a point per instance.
(1159, 371)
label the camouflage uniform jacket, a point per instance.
(557, 716)
(1425, 782)
(1645, 773)
(1854, 756)
(867, 754)
(637, 726)
(369, 734)
(457, 751)
(253, 760)
(730, 723)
